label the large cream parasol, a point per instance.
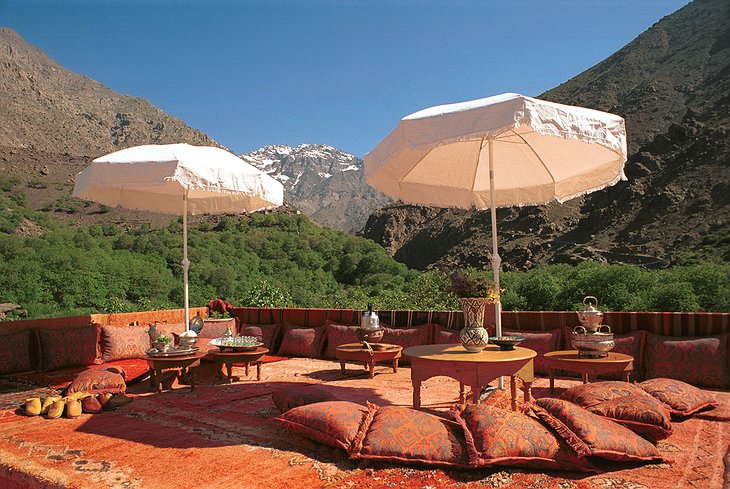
(499, 151)
(177, 179)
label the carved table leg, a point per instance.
(395, 365)
(342, 366)
(417, 394)
(513, 391)
(552, 380)
(258, 370)
(371, 364)
(527, 386)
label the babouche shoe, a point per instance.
(91, 404)
(56, 409)
(33, 406)
(73, 406)
(48, 402)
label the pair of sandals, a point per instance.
(73, 405)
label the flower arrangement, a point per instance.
(470, 283)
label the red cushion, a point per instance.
(215, 329)
(338, 334)
(302, 342)
(334, 423)
(680, 398)
(68, 347)
(99, 380)
(407, 435)
(625, 404)
(15, 352)
(702, 362)
(120, 342)
(496, 436)
(443, 335)
(540, 341)
(602, 437)
(266, 333)
(296, 395)
(405, 337)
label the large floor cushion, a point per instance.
(68, 347)
(443, 335)
(99, 381)
(702, 362)
(401, 434)
(334, 423)
(626, 404)
(15, 352)
(680, 398)
(496, 436)
(602, 438)
(406, 337)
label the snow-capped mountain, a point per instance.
(324, 182)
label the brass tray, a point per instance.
(172, 352)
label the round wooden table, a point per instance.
(588, 367)
(475, 369)
(357, 352)
(185, 364)
(228, 358)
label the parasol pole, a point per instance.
(496, 260)
(185, 262)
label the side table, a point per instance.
(356, 352)
(228, 358)
(186, 365)
(588, 367)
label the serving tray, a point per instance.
(172, 352)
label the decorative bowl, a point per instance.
(506, 342)
(237, 343)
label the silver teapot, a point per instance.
(590, 318)
(370, 330)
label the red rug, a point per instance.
(223, 435)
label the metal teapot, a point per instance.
(369, 319)
(370, 330)
(590, 317)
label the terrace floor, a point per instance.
(224, 436)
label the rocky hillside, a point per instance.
(323, 182)
(48, 108)
(672, 84)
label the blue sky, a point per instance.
(252, 73)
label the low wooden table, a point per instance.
(228, 358)
(380, 352)
(186, 366)
(588, 367)
(469, 368)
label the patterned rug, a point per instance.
(223, 435)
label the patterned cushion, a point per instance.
(407, 435)
(499, 437)
(625, 404)
(334, 423)
(702, 362)
(302, 342)
(296, 395)
(338, 334)
(603, 438)
(15, 352)
(119, 342)
(267, 333)
(443, 335)
(405, 337)
(99, 380)
(67, 347)
(680, 398)
(540, 341)
(215, 329)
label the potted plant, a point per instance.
(162, 343)
(474, 291)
